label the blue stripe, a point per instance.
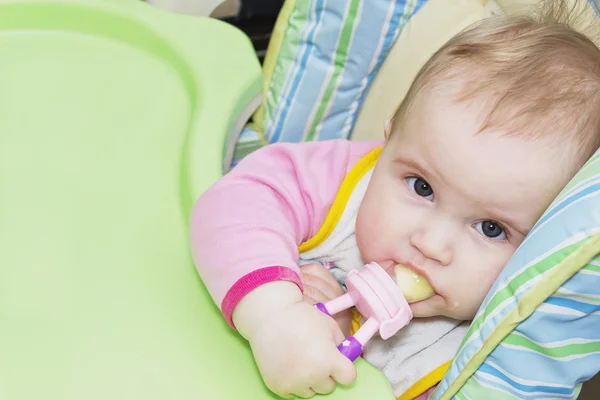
(573, 304)
(580, 284)
(390, 37)
(485, 368)
(295, 81)
(595, 6)
(585, 327)
(485, 381)
(569, 200)
(361, 54)
(533, 366)
(362, 50)
(575, 188)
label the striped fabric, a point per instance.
(249, 141)
(321, 76)
(540, 323)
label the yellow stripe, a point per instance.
(337, 208)
(427, 382)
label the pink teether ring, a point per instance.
(380, 302)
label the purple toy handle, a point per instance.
(321, 307)
(350, 348)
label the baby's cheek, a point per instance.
(474, 297)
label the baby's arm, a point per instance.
(245, 233)
(245, 230)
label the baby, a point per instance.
(493, 127)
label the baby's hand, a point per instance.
(294, 344)
(320, 287)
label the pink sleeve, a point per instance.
(245, 230)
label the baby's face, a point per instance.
(454, 204)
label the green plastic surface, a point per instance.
(113, 117)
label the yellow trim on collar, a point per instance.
(426, 382)
(423, 384)
(337, 208)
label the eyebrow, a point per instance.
(414, 165)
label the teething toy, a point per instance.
(380, 300)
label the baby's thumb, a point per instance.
(344, 371)
(338, 335)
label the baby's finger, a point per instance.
(344, 371)
(315, 294)
(312, 268)
(319, 271)
(324, 387)
(331, 290)
(305, 393)
(338, 335)
(324, 274)
(310, 300)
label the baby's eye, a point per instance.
(491, 230)
(420, 187)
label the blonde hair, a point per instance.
(542, 75)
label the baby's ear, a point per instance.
(387, 129)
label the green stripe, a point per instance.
(280, 33)
(478, 391)
(556, 352)
(593, 268)
(250, 143)
(240, 153)
(407, 14)
(509, 290)
(341, 55)
(281, 73)
(579, 296)
(460, 396)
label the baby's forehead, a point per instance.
(532, 109)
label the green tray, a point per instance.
(113, 117)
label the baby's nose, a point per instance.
(434, 242)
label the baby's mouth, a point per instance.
(413, 286)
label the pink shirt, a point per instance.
(425, 396)
(246, 229)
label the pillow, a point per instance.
(321, 61)
(331, 70)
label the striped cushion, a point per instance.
(317, 81)
(540, 322)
